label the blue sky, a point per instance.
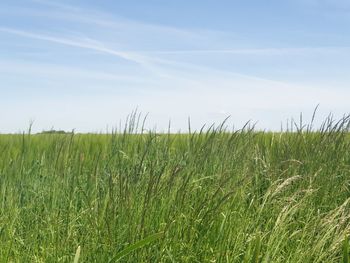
(86, 65)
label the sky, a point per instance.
(86, 65)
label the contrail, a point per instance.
(133, 57)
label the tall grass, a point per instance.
(207, 196)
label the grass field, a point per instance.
(212, 196)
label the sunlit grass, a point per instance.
(210, 196)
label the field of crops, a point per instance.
(210, 196)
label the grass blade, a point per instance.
(137, 245)
(77, 255)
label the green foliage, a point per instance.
(210, 196)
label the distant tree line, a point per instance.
(55, 132)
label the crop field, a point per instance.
(205, 196)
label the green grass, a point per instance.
(210, 196)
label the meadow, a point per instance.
(205, 196)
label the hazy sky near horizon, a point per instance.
(86, 65)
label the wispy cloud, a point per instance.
(143, 57)
(256, 51)
(186, 74)
(146, 58)
(47, 70)
(80, 44)
(68, 12)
